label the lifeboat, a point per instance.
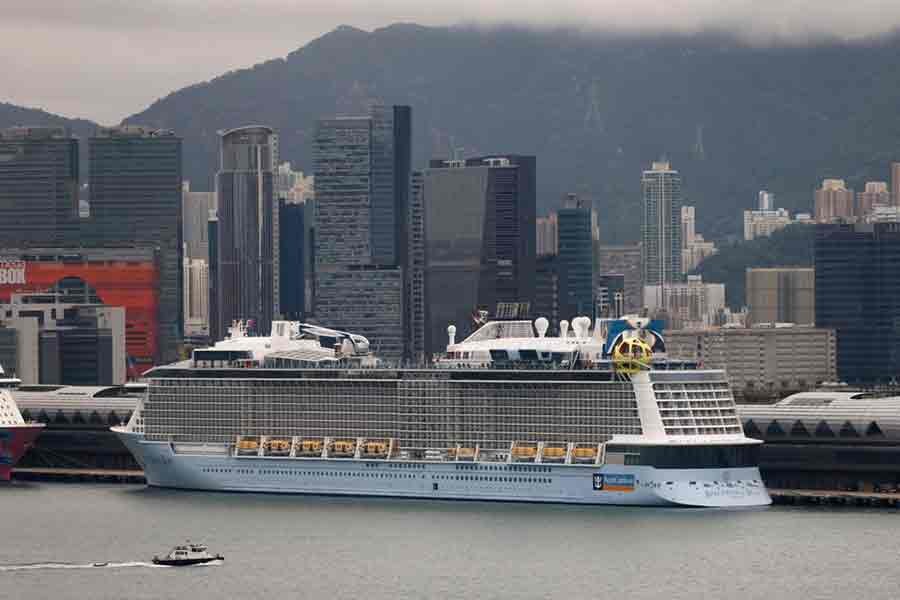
(524, 453)
(311, 447)
(378, 449)
(343, 448)
(248, 446)
(278, 446)
(554, 453)
(466, 453)
(584, 454)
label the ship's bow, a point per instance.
(15, 441)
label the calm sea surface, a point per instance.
(280, 548)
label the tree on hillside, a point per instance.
(790, 247)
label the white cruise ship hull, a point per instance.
(213, 468)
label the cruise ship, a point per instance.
(16, 436)
(593, 415)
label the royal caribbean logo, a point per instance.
(613, 482)
(12, 271)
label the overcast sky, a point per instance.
(107, 59)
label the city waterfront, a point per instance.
(384, 548)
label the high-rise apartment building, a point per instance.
(216, 333)
(479, 239)
(625, 261)
(688, 304)
(895, 183)
(688, 225)
(763, 223)
(781, 295)
(694, 249)
(196, 298)
(876, 194)
(136, 199)
(39, 189)
(547, 235)
(661, 228)
(857, 291)
(576, 257)
(362, 185)
(834, 201)
(415, 271)
(247, 230)
(195, 211)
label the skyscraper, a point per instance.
(362, 175)
(135, 186)
(857, 293)
(833, 201)
(766, 200)
(661, 229)
(247, 231)
(479, 239)
(576, 258)
(195, 212)
(292, 238)
(415, 271)
(38, 187)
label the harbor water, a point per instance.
(95, 541)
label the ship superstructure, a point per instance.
(596, 415)
(16, 436)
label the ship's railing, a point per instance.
(388, 449)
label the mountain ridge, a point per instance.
(595, 109)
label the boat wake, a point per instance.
(97, 565)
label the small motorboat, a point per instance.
(101, 564)
(187, 555)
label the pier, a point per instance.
(834, 498)
(79, 475)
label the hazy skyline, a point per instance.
(104, 60)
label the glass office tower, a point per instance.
(480, 238)
(362, 173)
(857, 290)
(135, 199)
(247, 230)
(38, 187)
